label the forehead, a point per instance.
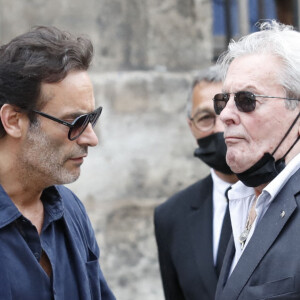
(204, 92)
(73, 93)
(259, 72)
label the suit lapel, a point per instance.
(262, 239)
(200, 233)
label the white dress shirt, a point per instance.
(241, 198)
(219, 208)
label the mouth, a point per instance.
(233, 139)
(78, 159)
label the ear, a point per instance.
(12, 120)
(298, 123)
(192, 128)
(190, 123)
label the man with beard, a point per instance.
(188, 225)
(259, 107)
(47, 244)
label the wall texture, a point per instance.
(146, 52)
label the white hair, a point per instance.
(276, 39)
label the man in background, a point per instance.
(188, 225)
(47, 109)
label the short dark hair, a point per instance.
(212, 74)
(45, 54)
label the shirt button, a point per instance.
(37, 255)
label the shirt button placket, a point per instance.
(37, 256)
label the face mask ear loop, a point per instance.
(291, 127)
(297, 139)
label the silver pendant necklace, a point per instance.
(250, 220)
(244, 235)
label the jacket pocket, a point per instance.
(92, 267)
(280, 287)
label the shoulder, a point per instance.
(71, 202)
(75, 214)
(183, 199)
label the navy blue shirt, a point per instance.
(68, 240)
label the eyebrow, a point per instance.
(203, 110)
(74, 115)
(247, 88)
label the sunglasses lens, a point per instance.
(95, 116)
(81, 123)
(245, 101)
(79, 126)
(220, 101)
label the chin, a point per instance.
(67, 177)
(231, 162)
(236, 161)
(72, 178)
(234, 165)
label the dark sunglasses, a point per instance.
(244, 101)
(78, 126)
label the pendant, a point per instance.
(243, 237)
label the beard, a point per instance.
(45, 158)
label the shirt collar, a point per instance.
(280, 180)
(8, 211)
(220, 185)
(51, 198)
(53, 203)
(239, 189)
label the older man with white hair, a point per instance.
(259, 107)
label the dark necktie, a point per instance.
(224, 238)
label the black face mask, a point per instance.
(266, 169)
(212, 151)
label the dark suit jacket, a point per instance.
(183, 229)
(269, 268)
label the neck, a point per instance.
(26, 196)
(230, 178)
(259, 189)
(293, 153)
(22, 188)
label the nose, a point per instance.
(229, 114)
(219, 126)
(88, 137)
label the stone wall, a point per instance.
(146, 52)
(127, 34)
